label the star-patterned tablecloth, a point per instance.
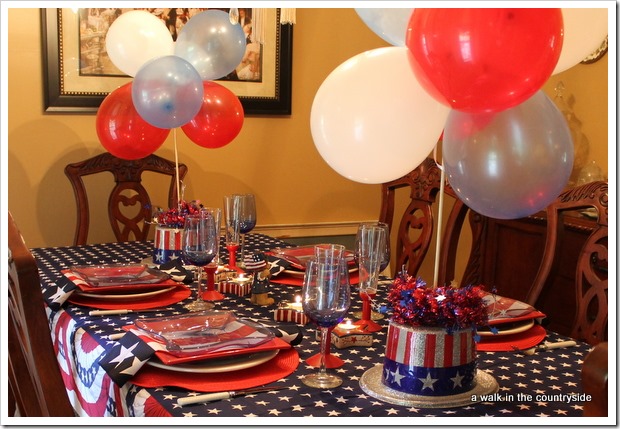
(546, 384)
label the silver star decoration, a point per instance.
(428, 382)
(457, 380)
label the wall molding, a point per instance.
(309, 229)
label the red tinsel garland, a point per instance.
(414, 304)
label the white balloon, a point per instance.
(584, 31)
(389, 24)
(371, 121)
(135, 38)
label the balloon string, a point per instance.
(442, 187)
(176, 167)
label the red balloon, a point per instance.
(122, 131)
(484, 60)
(219, 120)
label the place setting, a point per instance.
(296, 260)
(512, 325)
(203, 351)
(130, 286)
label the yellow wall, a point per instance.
(273, 157)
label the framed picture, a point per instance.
(75, 81)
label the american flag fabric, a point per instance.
(126, 357)
(502, 309)
(532, 388)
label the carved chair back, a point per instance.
(416, 224)
(128, 192)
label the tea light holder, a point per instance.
(240, 284)
(291, 312)
(347, 334)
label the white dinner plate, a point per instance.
(522, 327)
(124, 296)
(229, 364)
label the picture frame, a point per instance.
(65, 91)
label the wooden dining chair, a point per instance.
(416, 229)
(416, 224)
(35, 381)
(590, 322)
(128, 192)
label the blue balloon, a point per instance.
(389, 24)
(167, 92)
(510, 164)
(211, 43)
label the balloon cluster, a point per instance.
(172, 84)
(471, 75)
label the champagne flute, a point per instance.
(247, 218)
(330, 253)
(326, 297)
(372, 253)
(211, 293)
(200, 246)
(232, 215)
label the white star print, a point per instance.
(124, 354)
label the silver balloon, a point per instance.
(211, 43)
(510, 164)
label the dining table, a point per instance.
(545, 384)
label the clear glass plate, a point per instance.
(119, 274)
(205, 332)
(299, 256)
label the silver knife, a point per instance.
(209, 397)
(121, 311)
(548, 346)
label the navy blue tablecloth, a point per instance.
(540, 385)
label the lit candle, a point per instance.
(241, 279)
(297, 304)
(347, 325)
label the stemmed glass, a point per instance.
(372, 253)
(247, 218)
(240, 213)
(232, 215)
(326, 297)
(200, 247)
(211, 293)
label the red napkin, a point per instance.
(504, 343)
(282, 365)
(179, 293)
(508, 310)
